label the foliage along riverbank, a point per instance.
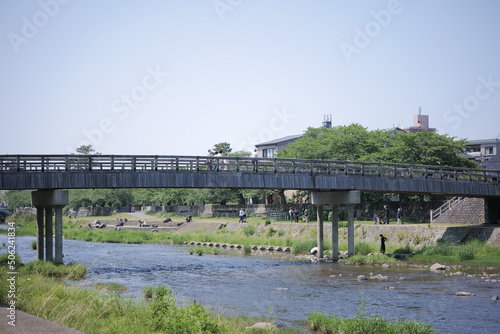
(42, 292)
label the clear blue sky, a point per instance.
(176, 77)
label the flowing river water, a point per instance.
(286, 291)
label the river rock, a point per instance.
(495, 298)
(464, 293)
(438, 266)
(262, 325)
(362, 278)
(379, 277)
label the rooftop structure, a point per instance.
(420, 123)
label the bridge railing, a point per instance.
(146, 163)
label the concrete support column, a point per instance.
(49, 248)
(350, 230)
(319, 219)
(40, 244)
(336, 198)
(335, 232)
(46, 201)
(58, 258)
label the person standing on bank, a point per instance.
(382, 244)
(399, 215)
(386, 214)
(242, 216)
(306, 215)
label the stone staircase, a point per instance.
(460, 210)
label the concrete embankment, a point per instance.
(412, 234)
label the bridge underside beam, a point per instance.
(335, 199)
(242, 180)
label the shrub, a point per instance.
(271, 232)
(167, 317)
(148, 291)
(465, 252)
(50, 269)
(247, 249)
(22, 217)
(268, 221)
(303, 246)
(405, 250)
(444, 249)
(249, 230)
(362, 248)
(8, 259)
(33, 245)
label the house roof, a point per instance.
(282, 140)
(492, 163)
(482, 141)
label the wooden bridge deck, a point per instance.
(117, 171)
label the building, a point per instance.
(483, 148)
(486, 152)
(420, 123)
(269, 148)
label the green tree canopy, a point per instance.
(86, 150)
(18, 199)
(113, 198)
(224, 148)
(356, 143)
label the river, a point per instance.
(286, 291)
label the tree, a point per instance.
(242, 153)
(113, 198)
(86, 150)
(337, 143)
(224, 148)
(356, 143)
(18, 199)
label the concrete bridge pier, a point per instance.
(48, 203)
(335, 199)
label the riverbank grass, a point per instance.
(100, 309)
(361, 324)
(472, 253)
(321, 323)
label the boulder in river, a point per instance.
(464, 293)
(438, 266)
(262, 325)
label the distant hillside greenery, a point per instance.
(354, 142)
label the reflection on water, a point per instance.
(287, 291)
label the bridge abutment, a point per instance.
(49, 203)
(335, 199)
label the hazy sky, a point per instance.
(178, 76)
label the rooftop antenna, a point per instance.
(327, 121)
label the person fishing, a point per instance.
(382, 243)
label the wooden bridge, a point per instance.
(332, 183)
(141, 171)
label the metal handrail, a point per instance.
(167, 163)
